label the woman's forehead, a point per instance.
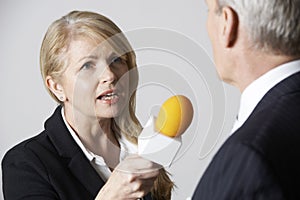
(86, 48)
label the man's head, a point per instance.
(273, 25)
(252, 33)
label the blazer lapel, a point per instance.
(85, 173)
(67, 148)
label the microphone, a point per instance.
(175, 116)
(160, 139)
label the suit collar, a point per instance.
(287, 86)
(66, 147)
(254, 92)
(59, 135)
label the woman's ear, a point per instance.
(229, 26)
(56, 88)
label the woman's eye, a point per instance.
(86, 66)
(117, 60)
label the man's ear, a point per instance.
(229, 26)
(56, 88)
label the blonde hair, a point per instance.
(95, 26)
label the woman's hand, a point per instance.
(132, 179)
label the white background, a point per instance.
(25, 104)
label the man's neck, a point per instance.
(255, 64)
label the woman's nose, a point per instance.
(107, 75)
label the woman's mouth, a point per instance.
(109, 97)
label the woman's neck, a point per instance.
(96, 135)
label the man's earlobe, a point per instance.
(230, 26)
(56, 88)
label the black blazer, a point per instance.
(261, 160)
(50, 166)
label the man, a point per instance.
(256, 47)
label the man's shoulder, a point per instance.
(273, 131)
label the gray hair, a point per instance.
(273, 25)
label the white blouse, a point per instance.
(97, 161)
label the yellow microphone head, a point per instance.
(175, 116)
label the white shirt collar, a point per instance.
(97, 161)
(258, 88)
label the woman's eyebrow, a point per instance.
(93, 57)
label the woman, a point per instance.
(89, 68)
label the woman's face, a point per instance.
(92, 82)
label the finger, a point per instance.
(144, 189)
(139, 189)
(137, 164)
(150, 174)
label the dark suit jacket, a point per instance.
(50, 166)
(261, 160)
